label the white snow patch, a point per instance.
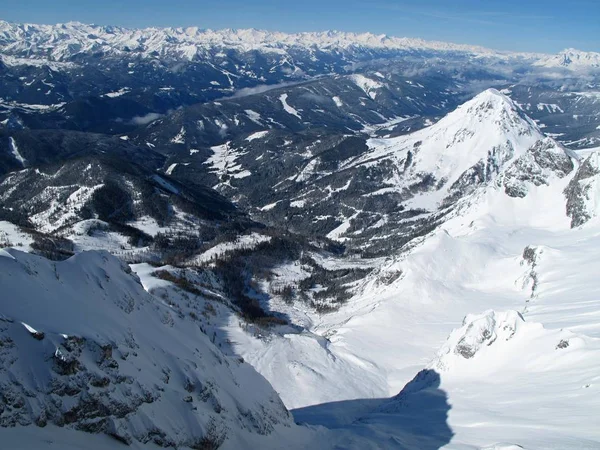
(269, 206)
(257, 135)
(15, 151)
(180, 137)
(170, 169)
(287, 107)
(118, 93)
(253, 116)
(550, 107)
(368, 85)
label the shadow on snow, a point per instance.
(416, 418)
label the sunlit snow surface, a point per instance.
(528, 390)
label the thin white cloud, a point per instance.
(145, 119)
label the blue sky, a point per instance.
(525, 25)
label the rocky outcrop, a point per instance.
(543, 160)
(583, 192)
(477, 332)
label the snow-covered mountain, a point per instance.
(64, 42)
(375, 194)
(485, 137)
(572, 59)
(400, 236)
(86, 348)
(32, 44)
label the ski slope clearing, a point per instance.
(224, 162)
(287, 108)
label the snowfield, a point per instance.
(527, 377)
(516, 284)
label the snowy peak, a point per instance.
(486, 142)
(468, 147)
(573, 59)
(63, 41)
(492, 107)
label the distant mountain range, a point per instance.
(71, 41)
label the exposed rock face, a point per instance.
(477, 332)
(583, 192)
(82, 345)
(531, 257)
(544, 159)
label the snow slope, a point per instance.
(86, 348)
(507, 273)
(537, 388)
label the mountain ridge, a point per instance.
(193, 42)
(250, 37)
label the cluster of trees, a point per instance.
(334, 285)
(287, 293)
(180, 281)
(55, 248)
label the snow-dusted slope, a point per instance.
(525, 377)
(85, 347)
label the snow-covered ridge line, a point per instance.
(572, 58)
(56, 41)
